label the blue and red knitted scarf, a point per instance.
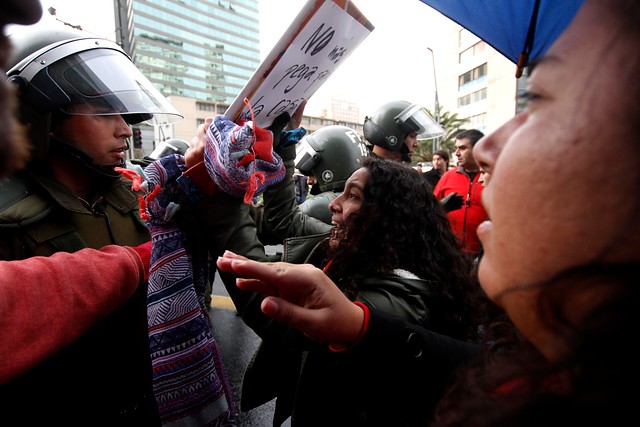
(189, 381)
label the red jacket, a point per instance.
(464, 221)
(48, 302)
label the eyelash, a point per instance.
(528, 97)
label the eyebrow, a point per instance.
(355, 184)
(547, 59)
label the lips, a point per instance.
(483, 230)
(119, 153)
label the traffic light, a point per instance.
(137, 137)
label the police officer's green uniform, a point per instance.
(108, 367)
(104, 378)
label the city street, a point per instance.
(237, 343)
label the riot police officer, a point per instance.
(394, 127)
(78, 96)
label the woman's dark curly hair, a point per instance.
(595, 383)
(401, 225)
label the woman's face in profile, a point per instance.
(350, 200)
(564, 174)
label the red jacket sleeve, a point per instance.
(48, 302)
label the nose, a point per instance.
(123, 128)
(334, 205)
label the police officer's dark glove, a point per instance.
(276, 128)
(285, 138)
(452, 202)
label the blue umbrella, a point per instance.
(521, 30)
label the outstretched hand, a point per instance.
(301, 296)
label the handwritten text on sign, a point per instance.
(325, 41)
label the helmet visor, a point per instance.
(105, 82)
(415, 119)
(173, 146)
(306, 157)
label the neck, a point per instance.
(386, 154)
(67, 172)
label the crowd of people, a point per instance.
(513, 308)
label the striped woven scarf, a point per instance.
(189, 380)
(240, 158)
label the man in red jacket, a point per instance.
(466, 182)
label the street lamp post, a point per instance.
(436, 140)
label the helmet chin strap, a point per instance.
(85, 161)
(404, 152)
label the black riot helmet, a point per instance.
(318, 206)
(56, 70)
(331, 154)
(393, 121)
(170, 146)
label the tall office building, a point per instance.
(198, 53)
(200, 49)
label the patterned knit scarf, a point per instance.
(239, 158)
(189, 381)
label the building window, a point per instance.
(473, 77)
(474, 50)
(478, 121)
(205, 106)
(473, 97)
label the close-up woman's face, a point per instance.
(564, 173)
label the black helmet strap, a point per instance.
(82, 159)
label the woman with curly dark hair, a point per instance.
(391, 248)
(387, 224)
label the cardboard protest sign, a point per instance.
(320, 38)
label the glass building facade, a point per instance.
(201, 49)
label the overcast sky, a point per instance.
(391, 63)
